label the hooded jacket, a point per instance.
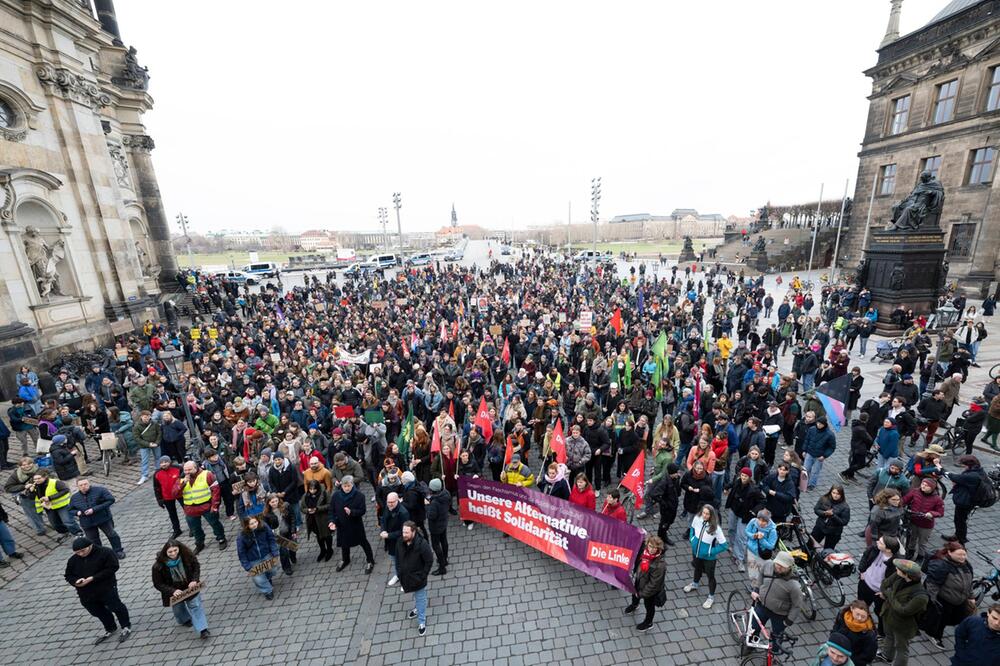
(413, 562)
(437, 512)
(779, 593)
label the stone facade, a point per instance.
(935, 104)
(84, 241)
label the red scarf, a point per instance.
(647, 559)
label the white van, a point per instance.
(264, 269)
(381, 261)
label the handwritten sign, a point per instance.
(186, 594)
(238, 487)
(263, 567)
(196, 334)
(290, 544)
(586, 320)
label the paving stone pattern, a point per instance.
(501, 603)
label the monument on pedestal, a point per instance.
(758, 255)
(687, 252)
(904, 263)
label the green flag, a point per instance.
(659, 347)
(658, 378)
(614, 370)
(628, 371)
(374, 416)
(406, 435)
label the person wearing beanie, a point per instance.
(165, 490)
(347, 510)
(819, 445)
(437, 524)
(977, 639)
(91, 570)
(835, 651)
(776, 592)
(414, 495)
(904, 601)
(263, 467)
(742, 504)
(649, 582)
(64, 458)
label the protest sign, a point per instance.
(600, 546)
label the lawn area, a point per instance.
(238, 259)
(653, 247)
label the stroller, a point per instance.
(886, 350)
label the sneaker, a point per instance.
(845, 479)
(422, 629)
(17, 556)
(369, 567)
(938, 643)
(233, 517)
(629, 609)
(142, 481)
(471, 525)
(223, 544)
(4, 563)
(392, 581)
(881, 657)
(342, 565)
(124, 634)
(691, 587)
(412, 615)
(269, 596)
(104, 637)
(741, 567)
(597, 493)
(643, 627)
(440, 571)
(205, 633)
(708, 603)
(198, 548)
(120, 555)
(176, 534)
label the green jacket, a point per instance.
(905, 602)
(141, 397)
(147, 435)
(267, 424)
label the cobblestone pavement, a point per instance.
(501, 602)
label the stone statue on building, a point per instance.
(760, 245)
(44, 261)
(943, 276)
(146, 265)
(688, 244)
(922, 205)
(134, 72)
(861, 273)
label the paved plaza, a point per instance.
(500, 603)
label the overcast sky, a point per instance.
(311, 114)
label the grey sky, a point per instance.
(309, 115)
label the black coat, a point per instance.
(102, 564)
(437, 512)
(392, 523)
(64, 463)
(666, 493)
(964, 491)
(166, 585)
(287, 481)
(350, 526)
(745, 500)
(413, 562)
(413, 499)
(693, 501)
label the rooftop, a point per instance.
(953, 7)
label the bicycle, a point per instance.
(752, 635)
(801, 571)
(827, 583)
(628, 503)
(995, 371)
(982, 586)
(111, 446)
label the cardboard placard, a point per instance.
(188, 368)
(290, 544)
(238, 487)
(264, 566)
(186, 594)
(400, 301)
(196, 334)
(495, 330)
(380, 305)
(42, 446)
(213, 333)
(275, 357)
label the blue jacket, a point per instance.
(780, 503)
(702, 550)
(99, 499)
(975, 643)
(769, 539)
(888, 442)
(256, 546)
(819, 443)
(173, 431)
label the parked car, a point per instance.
(505, 250)
(239, 277)
(421, 259)
(382, 261)
(264, 269)
(591, 255)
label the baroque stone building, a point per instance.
(935, 106)
(84, 242)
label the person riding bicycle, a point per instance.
(777, 593)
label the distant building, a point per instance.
(471, 231)
(316, 240)
(935, 106)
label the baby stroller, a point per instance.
(886, 350)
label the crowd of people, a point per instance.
(331, 410)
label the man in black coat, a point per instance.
(91, 570)
(413, 561)
(437, 522)
(414, 499)
(665, 493)
(286, 481)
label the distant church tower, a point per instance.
(454, 216)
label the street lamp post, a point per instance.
(182, 219)
(397, 202)
(174, 360)
(383, 218)
(595, 205)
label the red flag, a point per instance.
(616, 321)
(483, 420)
(343, 411)
(635, 480)
(436, 441)
(505, 354)
(558, 443)
(451, 409)
(444, 330)
(509, 453)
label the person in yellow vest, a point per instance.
(200, 495)
(52, 496)
(517, 473)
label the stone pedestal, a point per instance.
(905, 268)
(758, 261)
(687, 254)
(18, 344)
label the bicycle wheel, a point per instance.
(106, 459)
(737, 617)
(824, 582)
(954, 443)
(761, 660)
(979, 590)
(808, 600)
(994, 371)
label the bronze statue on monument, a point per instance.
(922, 206)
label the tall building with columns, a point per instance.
(935, 106)
(84, 242)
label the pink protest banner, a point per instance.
(600, 546)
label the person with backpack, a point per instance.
(949, 585)
(649, 582)
(972, 490)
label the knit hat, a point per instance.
(898, 462)
(435, 485)
(59, 439)
(278, 455)
(672, 468)
(909, 567)
(747, 471)
(81, 542)
(164, 459)
(265, 452)
(839, 642)
(784, 559)
(408, 477)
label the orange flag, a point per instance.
(635, 480)
(483, 419)
(436, 440)
(509, 453)
(558, 443)
(616, 321)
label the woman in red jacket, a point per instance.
(582, 493)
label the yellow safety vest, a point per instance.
(199, 492)
(50, 490)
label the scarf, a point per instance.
(646, 561)
(177, 572)
(855, 626)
